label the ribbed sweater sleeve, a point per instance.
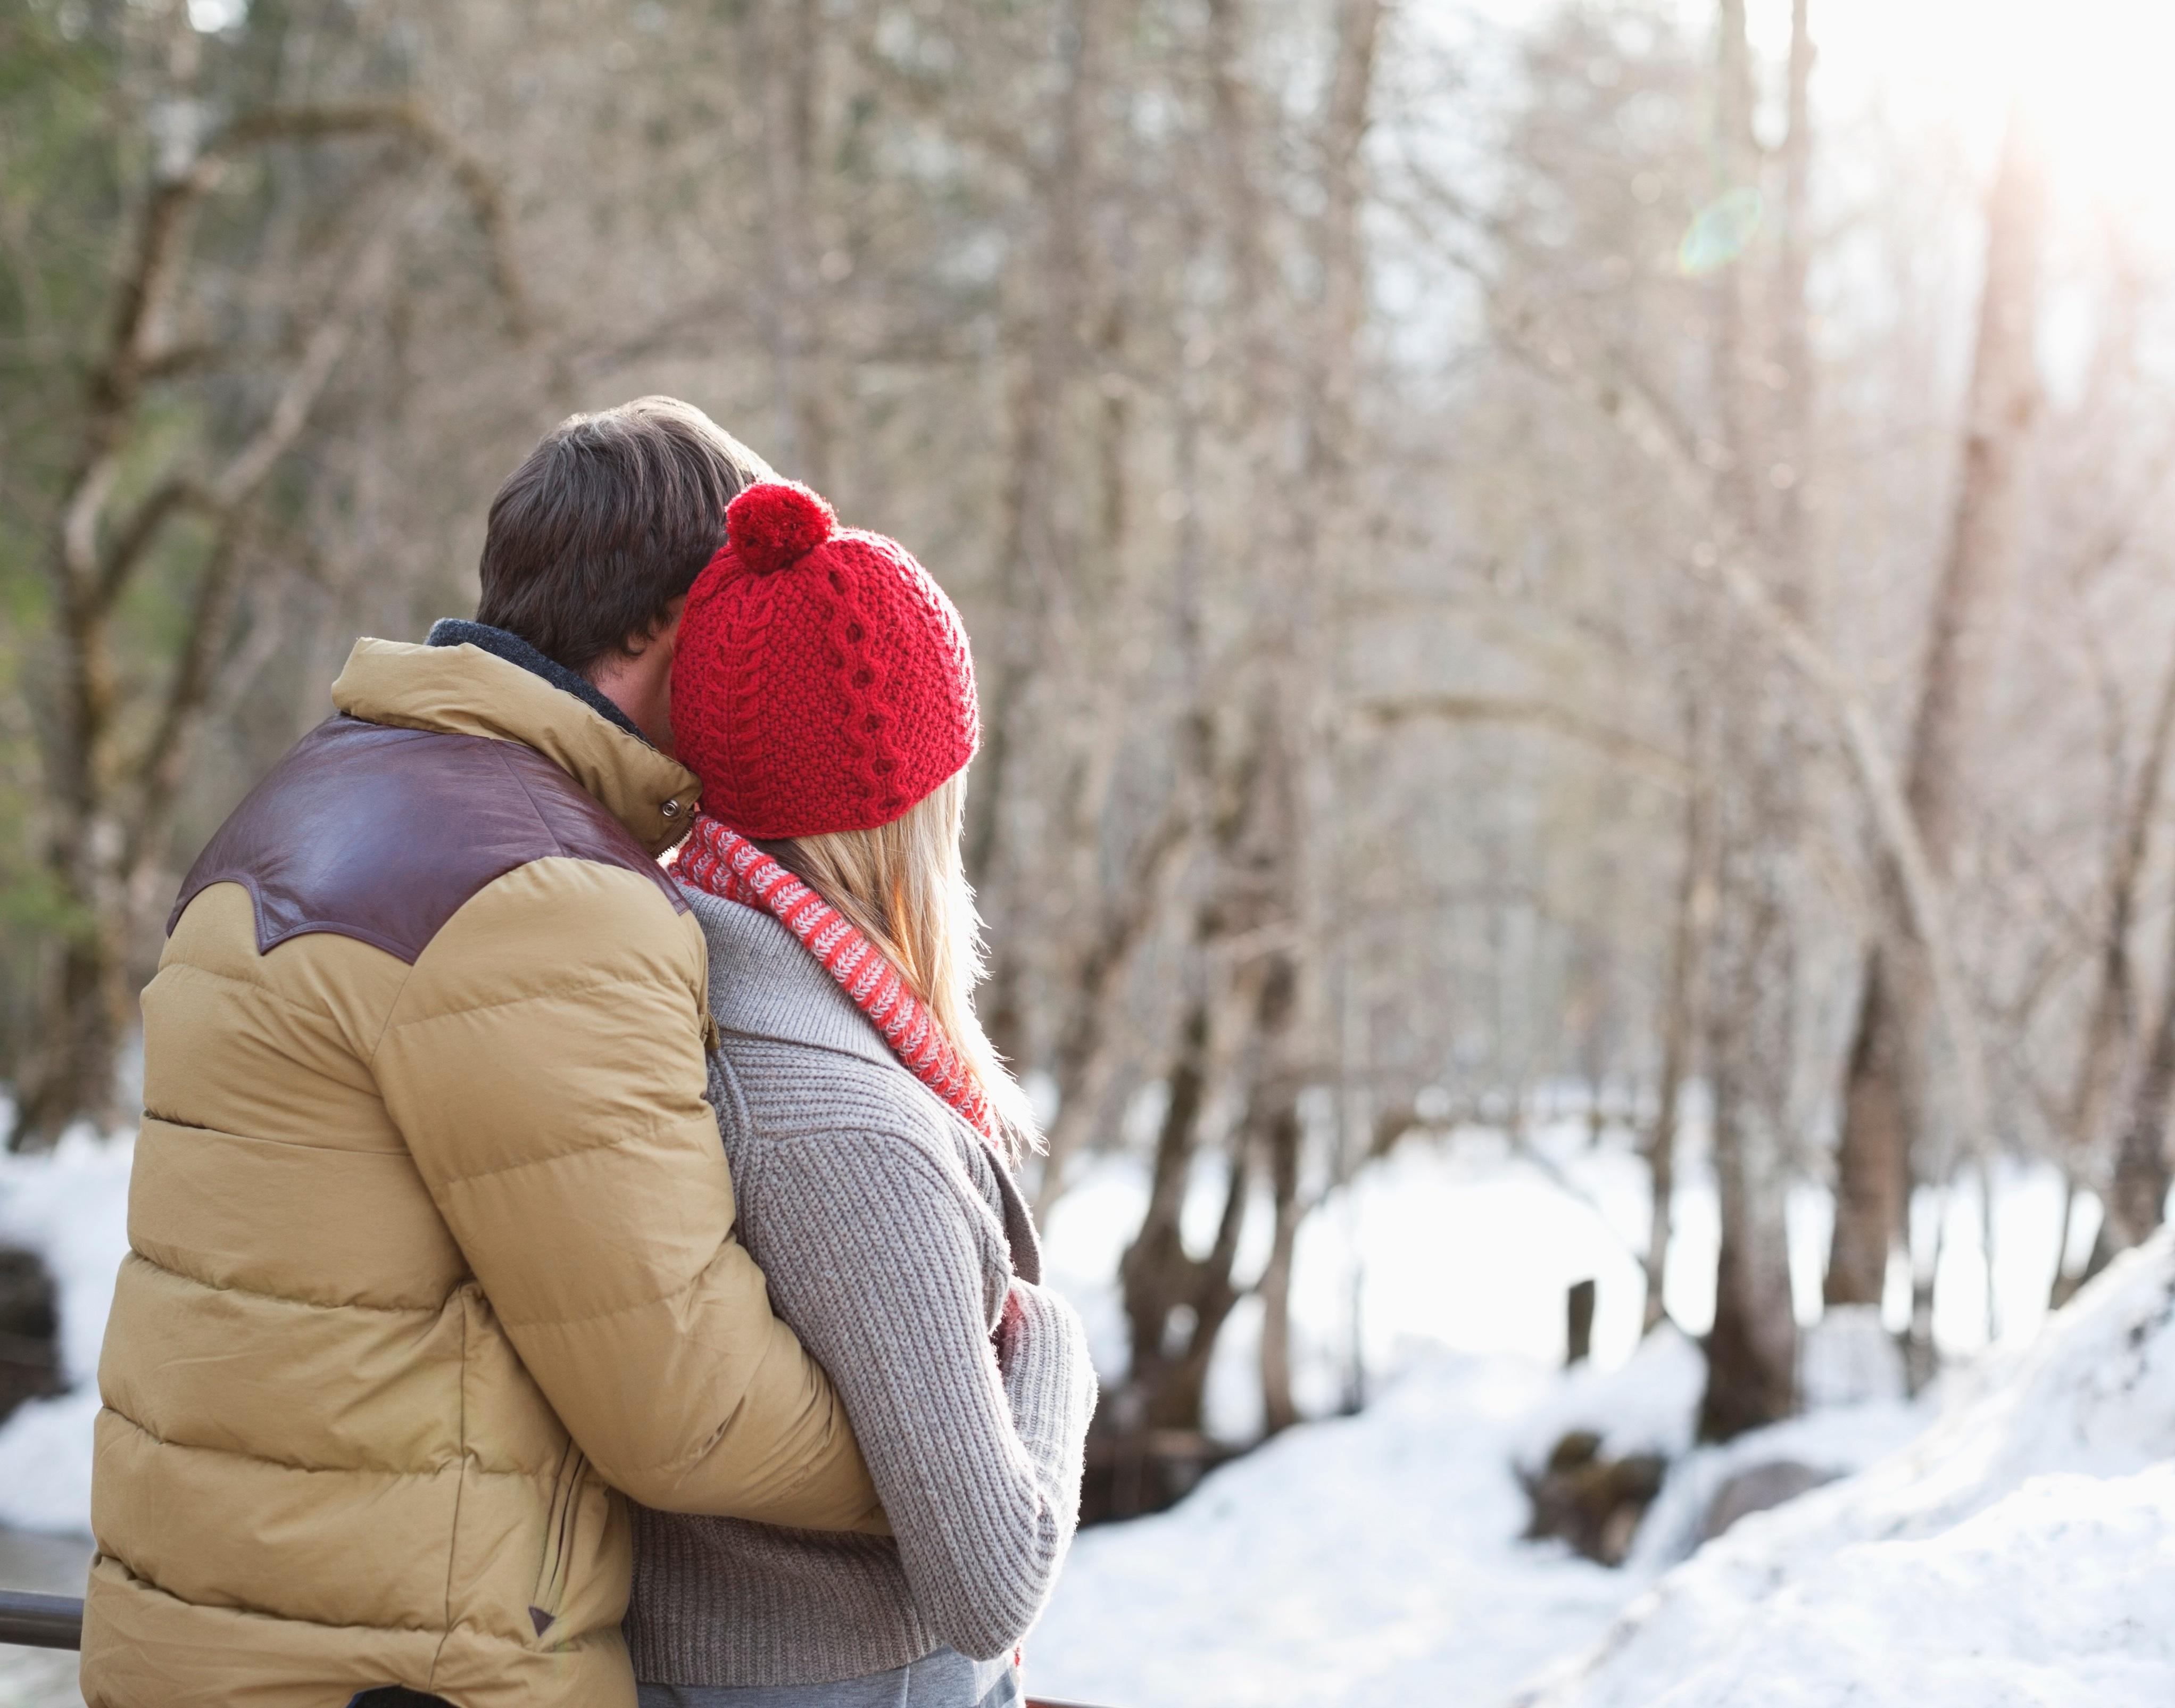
(875, 1255)
(1042, 1349)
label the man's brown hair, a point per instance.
(607, 522)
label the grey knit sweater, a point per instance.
(893, 1239)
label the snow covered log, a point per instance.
(2022, 1550)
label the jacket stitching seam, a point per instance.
(677, 1291)
(663, 883)
(385, 1025)
(393, 1008)
(437, 1309)
(556, 994)
(612, 1144)
(196, 969)
(528, 794)
(593, 1638)
(460, 1490)
(383, 1473)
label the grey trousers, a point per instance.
(944, 1679)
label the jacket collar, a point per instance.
(464, 690)
(504, 644)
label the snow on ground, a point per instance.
(2020, 1551)
(1377, 1559)
(1371, 1560)
(71, 1206)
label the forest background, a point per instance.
(1601, 555)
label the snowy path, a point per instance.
(1369, 1560)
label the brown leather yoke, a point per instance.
(383, 834)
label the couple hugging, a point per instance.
(558, 1280)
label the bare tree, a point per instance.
(1883, 1101)
(112, 791)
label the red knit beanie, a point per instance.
(823, 681)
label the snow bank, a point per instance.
(1836, 1443)
(2010, 1539)
(1371, 1560)
(71, 1207)
(2057, 1594)
(45, 1464)
(2021, 1550)
(1647, 1406)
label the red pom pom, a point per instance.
(773, 525)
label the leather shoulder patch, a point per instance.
(383, 834)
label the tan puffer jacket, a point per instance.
(429, 1228)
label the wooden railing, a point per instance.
(56, 1622)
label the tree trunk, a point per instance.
(1034, 558)
(1883, 1098)
(2110, 1030)
(1175, 1303)
(1287, 724)
(1682, 1019)
(1740, 419)
(794, 179)
(111, 802)
(1792, 448)
(2137, 1203)
(1873, 1176)
(1282, 1140)
(1752, 1349)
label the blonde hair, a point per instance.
(903, 886)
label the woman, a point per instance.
(823, 694)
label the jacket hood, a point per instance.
(465, 691)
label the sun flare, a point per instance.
(2094, 79)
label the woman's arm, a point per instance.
(1042, 1351)
(874, 1251)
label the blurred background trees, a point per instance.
(1518, 560)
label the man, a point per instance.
(430, 1226)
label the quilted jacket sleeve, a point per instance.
(545, 1062)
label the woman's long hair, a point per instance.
(903, 886)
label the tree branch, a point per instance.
(141, 530)
(1723, 562)
(160, 770)
(1652, 760)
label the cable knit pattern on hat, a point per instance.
(822, 680)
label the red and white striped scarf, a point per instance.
(725, 864)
